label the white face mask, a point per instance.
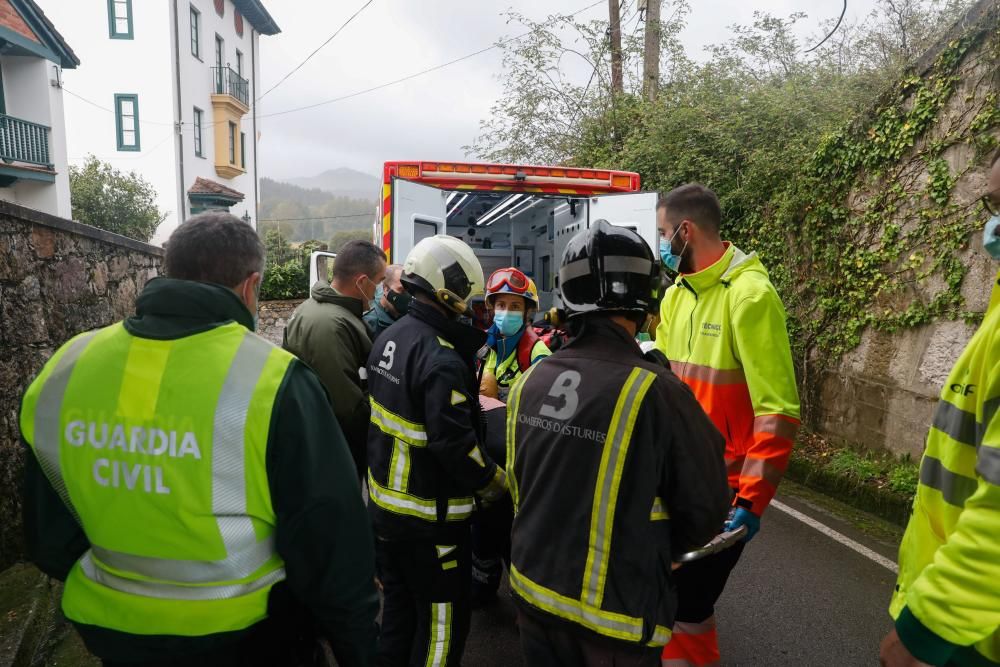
(367, 300)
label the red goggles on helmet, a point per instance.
(514, 279)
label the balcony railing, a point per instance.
(24, 141)
(228, 82)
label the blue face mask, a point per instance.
(991, 240)
(667, 256)
(509, 323)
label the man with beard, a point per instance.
(722, 326)
(392, 301)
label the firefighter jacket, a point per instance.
(426, 465)
(615, 471)
(947, 600)
(723, 330)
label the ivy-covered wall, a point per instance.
(882, 269)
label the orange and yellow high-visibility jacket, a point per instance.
(723, 329)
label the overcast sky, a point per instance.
(434, 115)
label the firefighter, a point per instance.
(722, 326)
(428, 468)
(189, 481)
(514, 346)
(613, 468)
(947, 600)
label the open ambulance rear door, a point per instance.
(636, 211)
(418, 212)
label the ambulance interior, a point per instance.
(525, 230)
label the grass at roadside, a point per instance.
(877, 482)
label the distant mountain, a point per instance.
(303, 214)
(342, 182)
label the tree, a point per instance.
(342, 237)
(558, 86)
(651, 55)
(106, 198)
(615, 35)
(286, 271)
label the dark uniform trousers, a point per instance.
(491, 525)
(701, 582)
(426, 609)
(555, 644)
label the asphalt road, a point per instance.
(797, 597)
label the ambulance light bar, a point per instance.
(522, 174)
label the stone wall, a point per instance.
(882, 394)
(273, 316)
(57, 278)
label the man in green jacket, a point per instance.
(189, 482)
(947, 600)
(392, 301)
(328, 333)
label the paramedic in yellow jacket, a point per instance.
(722, 326)
(947, 599)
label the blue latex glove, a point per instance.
(739, 516)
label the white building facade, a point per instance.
(169, 92)
(33, 160)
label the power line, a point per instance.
(329, 39)
(112, 111)
(350, 95)
(416, 74)
(839, 21)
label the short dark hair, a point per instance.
(693, 202)
(357, 257)
(214, 247)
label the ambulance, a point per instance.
(511, 215)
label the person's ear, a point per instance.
(249, 289)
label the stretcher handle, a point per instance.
(718, 543)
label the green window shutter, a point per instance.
(127, 122)
(120, 19)
(195, 33)
(243, 149)
(198, 150)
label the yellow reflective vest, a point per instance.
(157, 448)
(947, 599)
(508, 371)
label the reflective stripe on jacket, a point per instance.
(723, 330)
(425, 460)
(157, 447)
(614, 471)
(948, 590)
(508, 371)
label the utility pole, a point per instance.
(615, 34)
(651, 58)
